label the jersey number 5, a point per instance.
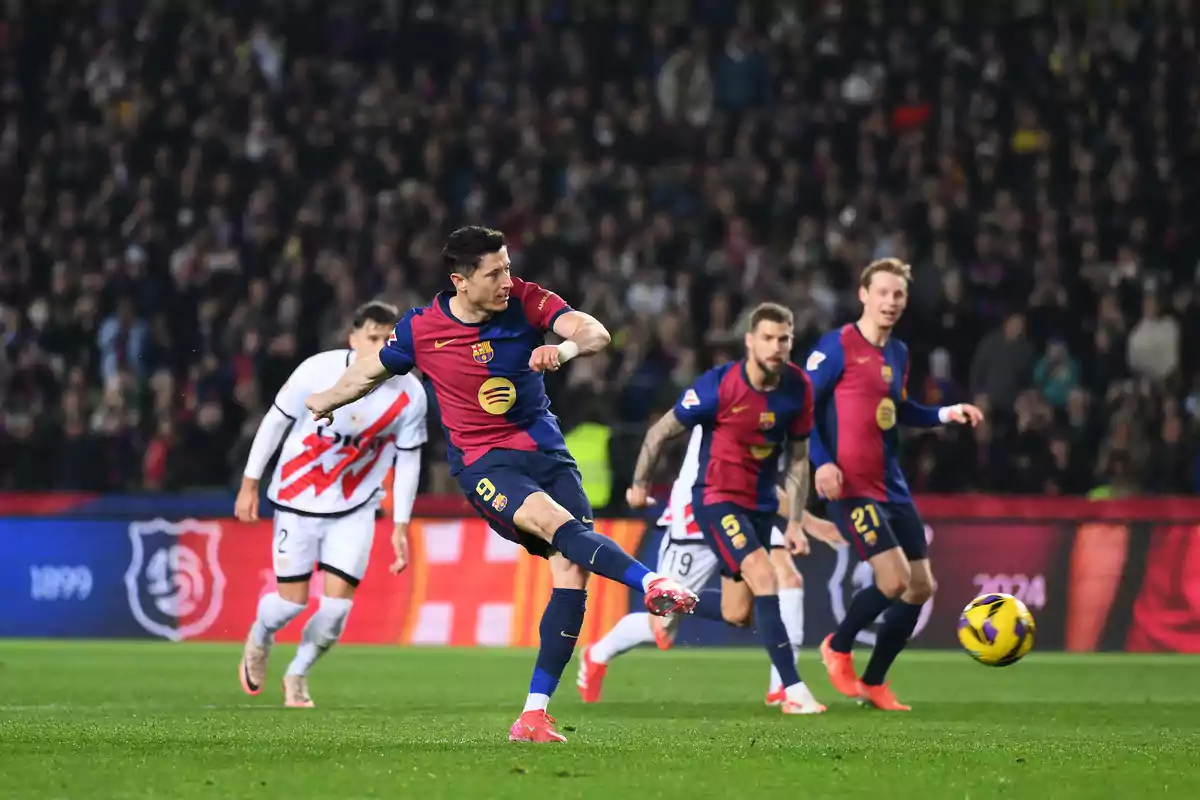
(865, 519)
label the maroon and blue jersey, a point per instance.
(488, 397)
(745, 431)
(860, 396)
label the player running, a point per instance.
(481, 348)
(683, 555)
(749, 410)
(326, 489)
(859, 375)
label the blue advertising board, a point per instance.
(65, 578)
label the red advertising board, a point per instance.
(1106, 575)
(465, 586)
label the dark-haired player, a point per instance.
(859, 374)
(749, 410)
(326, 490)
(482, 348)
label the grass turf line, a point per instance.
(155, 720)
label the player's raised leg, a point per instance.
(541, 516)
(294, 552)
(864, 523)
(690, 563)
(559, 630)
(791, 607)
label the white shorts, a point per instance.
(691, 563)
(339, 545)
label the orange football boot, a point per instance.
(664, 639)
(840, 667)
(880, 697)
(536, 727)
(590, 680)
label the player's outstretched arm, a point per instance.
(659, 434)
(357, 381)
(917, 415)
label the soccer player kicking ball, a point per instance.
(750, 410)
(859, 375)
(326, 490)
(684, 556)
(481, 348)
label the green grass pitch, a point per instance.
(155, 720)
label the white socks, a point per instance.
(320, 633)
(628, 633)
(536, 702)
(791, 608)
(273, 613)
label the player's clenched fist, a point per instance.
(828, 481)
(320, 406)
(638, 497)
(545, 359)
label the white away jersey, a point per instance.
(332, 469)
(678, 516)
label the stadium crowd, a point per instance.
(196, 200)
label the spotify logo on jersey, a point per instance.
(497, 395)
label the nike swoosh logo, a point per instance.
(738, 409)
(586, 520)
(862, 360)
(438, 345)
(246, 672)
(598, 549)
(566, 635)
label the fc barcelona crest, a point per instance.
(766, 420)
(887, 374)
(482, 352)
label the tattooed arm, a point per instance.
(797, 482)
(659, 434)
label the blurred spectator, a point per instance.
(1056, 375)
(196, 198)
(1154, 342)
(1002, 364)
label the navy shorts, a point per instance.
(499, 482)
(876, 527)
(734, 532)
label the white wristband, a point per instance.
(566, 351)
(945, 411)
